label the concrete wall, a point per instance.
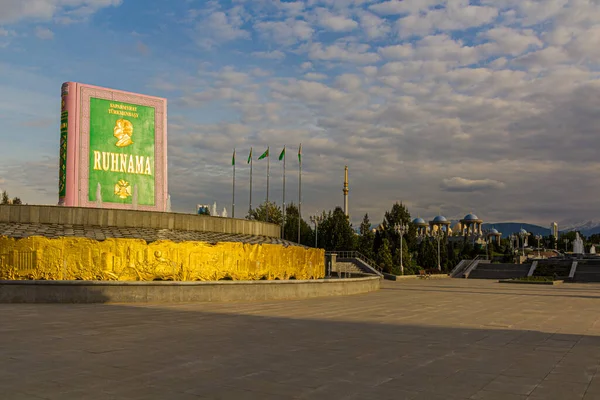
(178, 292)
(133, 219)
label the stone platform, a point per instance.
(100, 217)
(68, 243)
(442, 339)
(179, 292)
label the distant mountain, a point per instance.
(586, 228)
(508, 228)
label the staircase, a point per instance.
(587, 271)
(346, 267)
(499, 271)
(355, 263)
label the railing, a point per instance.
(472, 265)
(359, 256)
(460, 267)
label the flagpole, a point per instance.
(283, 223)
(268, 168)
(250, 208)
(233, 194)
(299, 190)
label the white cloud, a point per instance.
(219, 27)
(511, 41)
(348, 82)
(13, 11)
(373, 26)
(457, 15)
(457, 184)
(286, 32)
(44, 33)
(346, 52)
(273, 55)
(310, 92)
(396, 52)
(315, 76)
(333, 22)
(395, 7)
(306, 65)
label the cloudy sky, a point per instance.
(452, 106)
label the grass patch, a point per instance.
(536, 279)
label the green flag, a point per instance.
(264, 155)
(282, 154)
(250, 156)
(233, 158)
(300, 154)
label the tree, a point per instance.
(275, 215)
(16, 200)
(204, 211)
(290, 231)
(427, 257)
(367, 237)
(336, 232)
(570, 236)
(397, 215)
(377, 242)
(385, 256)
(5, 198)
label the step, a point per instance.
(497, 274)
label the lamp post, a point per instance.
(523, 235)
(487, 243)
(538, 237)
(401, 229)
(566, 244)
(438, 234)
(316, 219)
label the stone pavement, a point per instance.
(433, 339)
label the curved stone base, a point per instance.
(178, 292)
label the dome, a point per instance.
(523, 232)
(471, 217)
(494, 231)
(419, 221)
(440, 218)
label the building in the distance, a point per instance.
(554, 230)
(470, 227)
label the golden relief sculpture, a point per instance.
(135, 260)
(123, 189)
(123, 131)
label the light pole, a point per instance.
(523, 235)
(487, 243)
(566, 244)
(316, 219)
(538, 237)
(401, 229)
(438, 234)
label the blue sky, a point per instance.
(451, 106)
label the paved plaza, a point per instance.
(419, 339)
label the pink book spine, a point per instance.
(67, 152)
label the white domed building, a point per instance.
(440, 223)
(471, 225)
(422, 227)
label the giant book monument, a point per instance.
(112, 149)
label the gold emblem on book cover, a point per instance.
(123, 189)
(123, 131)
